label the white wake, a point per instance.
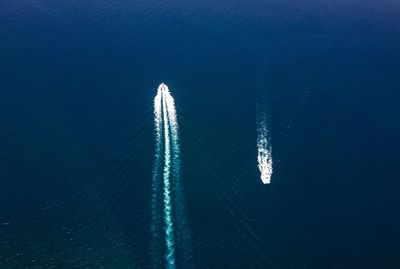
(156, 228)
(167, 163)
(264, 157)
(182, 232)
(168, 221)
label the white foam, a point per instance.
(156, 215)
(169, 226)
(174, 224)
(264, 157)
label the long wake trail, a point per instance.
(156, 226)
(170, 246)
(182, 231)
(168, 221)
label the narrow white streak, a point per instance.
(172, 114)
(184, 250)
(168, 221)
(155, 199)
(157, 114)
(264, 157)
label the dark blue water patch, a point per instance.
(77, 84)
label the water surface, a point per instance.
(77, 82)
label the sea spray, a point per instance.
(156, 202)
(166, 183)
(168, 220)
(264, 157)
(183, 245)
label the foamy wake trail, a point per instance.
(156, 226)
(174, 226)
(264, 157)
(184, 251)
(168, 221)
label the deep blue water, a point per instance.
(77, 82)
